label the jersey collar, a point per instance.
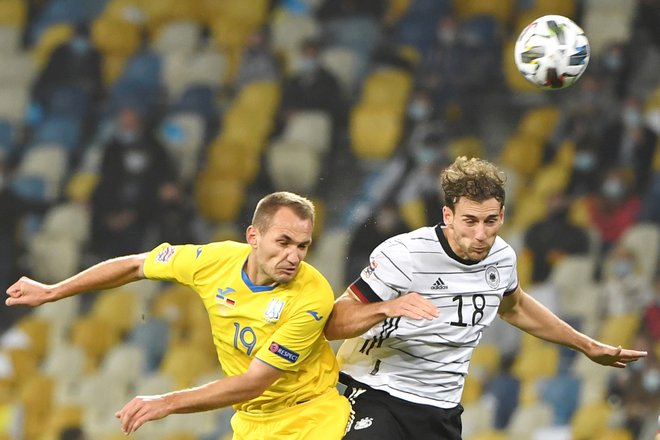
(254, 287)
(447, 248)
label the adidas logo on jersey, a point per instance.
(439, 285)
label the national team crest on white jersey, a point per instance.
(492, 277)
(274, 310)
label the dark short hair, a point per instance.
(474, 179)
(270, 204)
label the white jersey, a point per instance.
(426, 361)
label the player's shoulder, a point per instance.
(407, 241)
(502, 250)
(222, 250)
(310, 280)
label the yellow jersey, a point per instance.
(281, 325)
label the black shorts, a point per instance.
(377, 415)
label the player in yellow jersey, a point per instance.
(267, 310)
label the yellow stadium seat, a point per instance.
(565, 154)
(217, 198)
(590, 421)
(413, 213)
(472, 391)
(536, 362)
(523, 154)
(293, 166)
(514, 79)
(567, 8)
(529, 209)
(230, 36)
(180, 436)
(320, 214)
(13, 13)
(117, 308)
(95, 337)
(115, 37)
(550, 180)
(36, 397)
(81, 186)
(160, 12)
(539, 122)
(578, 213)
(113, 66)
(233, 161)
(24, 365)
(37, 329)
(489, 435)
(502, 10)
(51, 37)
(387, 87)
(469, 146)
(185, 363)
(619, 329)
(485, 360)
(64, 416)
(252, 13)
(259, 96)
(123, 10)
(395, 10)
(375, 131)
(616, 434)
(245, 127)
(173, 305)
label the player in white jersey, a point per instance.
(418, 310)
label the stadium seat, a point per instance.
(374, 131)
(208, 67)
(13, 103)
(185, 363)
(117, 307)
(605, 21)
(217, 198)
(536, 362)
(387, 87)
(616, 434)
(485, 360)
(538, 122)
(183, 135)
(48, 162)
(63, 362)
(37, 329)
(522, 153)
(81, 185)
(619, 329)
(527, 418)
(469, 146)
(252, 14)
(49, 39)
(259, 96)
(36, 398)
(115, 37)
(413, 213)
(173, 305)
(63, 417)
(529, 209)
(10, 39)
(70, 220)
(644, 240)
(489, 435)
(344, 64)
(590, 421)
(180, 36)
(18, 69)
(95, 337)
(289, 30)
(13, 13)
(293, 166)
(246, 127)
(502, 10)
(125, 362)
(477, 417)
(232, 161)
(472, 390)
(310, 128)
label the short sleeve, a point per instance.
(388, 276)
(172, 263)
(299, 335)
(512, 282)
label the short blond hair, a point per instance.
(270, 204)
(475, 179)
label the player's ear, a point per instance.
(502, 215)
(447, 215)
(251, 234)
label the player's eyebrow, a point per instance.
(291, 240)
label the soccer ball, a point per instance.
(552, 52)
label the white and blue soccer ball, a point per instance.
(552, 52)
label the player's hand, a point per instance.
(610, 356)
(140, 410)
(28, 292)
(411, 305)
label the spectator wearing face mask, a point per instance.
(312, 86)
(137, 187)
(615, 207)
(625, 290)
(629, 143)
(74, 63)
(258, 63)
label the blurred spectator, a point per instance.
(505, 389)
(651, 323)
(614, 208)
(257, 61)
(650, 211)
(312, 86)
(73, 63)
(553, 237)
(332, 9)
(625, 290)
(385, 223)
(627, 142)
(137, 188)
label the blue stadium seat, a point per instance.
(61, 130)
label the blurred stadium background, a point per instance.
(124, 123)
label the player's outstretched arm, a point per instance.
(105, 275)
(350, 317)
(217, 394)
(523, 311)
